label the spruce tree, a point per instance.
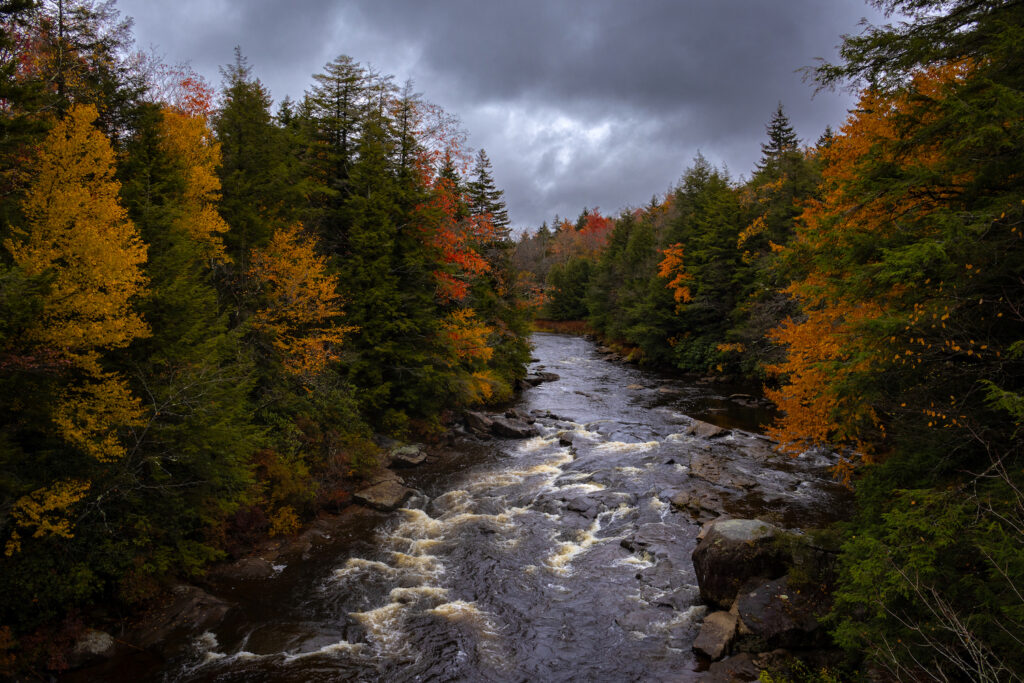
(486, 198)
(782, 139)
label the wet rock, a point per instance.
(705, 430)
(738, 668)
(679, 599)
(92, 647)
(387, 495)
(512, 429)
(655, 538)
(733, 551)
(699, 503)
(663, 575)
(191, 610)
(590, 505)
(477, 422)
(780, 614)
(640, 620)
(249, 569)
(408, 456)
(565, 438)
(716, 634)
(669, 391)
(540, 377)
(514, 414)
(635, 387)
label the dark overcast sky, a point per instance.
(581, 103)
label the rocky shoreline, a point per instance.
(766, 587)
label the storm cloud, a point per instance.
(584, 103)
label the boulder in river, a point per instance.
(408, 456)
(512, 429)
(705, 430)
(733, 551)
(540, 377)
(385, 496)
(477, 422)
(716, 634)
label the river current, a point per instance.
(528, 560)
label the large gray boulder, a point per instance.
(385, 496)
(408, 456)
(477, 422)
(733, 551)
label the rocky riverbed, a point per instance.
(612, 525)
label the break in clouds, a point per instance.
(588, 103)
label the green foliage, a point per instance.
(568, 287)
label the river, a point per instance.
(529, 560)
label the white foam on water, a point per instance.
(629, 470)
(687, 617)
(585, 487)
(417, 593)
(537, 443)
(384, 627)
(424, 565)
(642, 562)
(357, 565)
(677, 437)
(457, 500)
(488, 646)
(333, 650)
(560, 562)
(624, 447)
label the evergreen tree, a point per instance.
(259, 190)
(782, 140)
(337, 107)
(485, 198)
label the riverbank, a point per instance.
(605, 500)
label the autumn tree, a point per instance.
(67, 411)
(913, 257)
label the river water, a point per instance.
(528, 560)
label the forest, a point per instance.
(211, 309)
(874, 282)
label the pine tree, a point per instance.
(782, 140)
(258, 189)
(486, 199)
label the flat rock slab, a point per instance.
(191, 610)
(716, 634)
(781, 614)
(705, 430)
(408, 456)
(739, 668)
(387, 495)
(512, 429)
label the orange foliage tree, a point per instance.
(302, 306)
(872, 298)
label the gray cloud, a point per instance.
(581, 103)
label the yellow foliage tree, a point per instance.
(77, 232)
(78, 237)
(303, 308)
(188, 139)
